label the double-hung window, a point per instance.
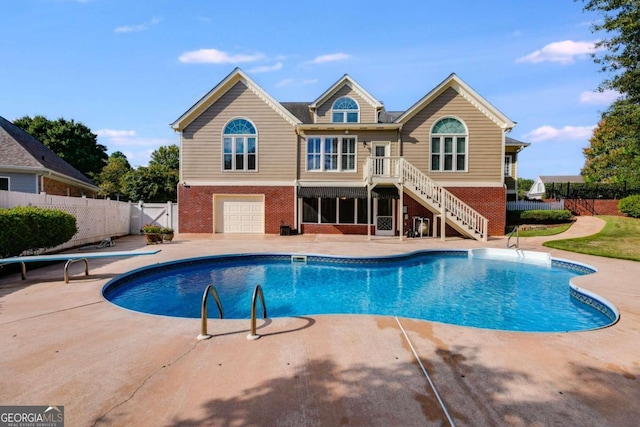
(331, 153)
(449, 146)
(507, 165)
(345, 110)
(240, 146)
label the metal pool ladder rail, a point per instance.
(256, 292)
(210, 290)
(517, 244)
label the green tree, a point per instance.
(70, 140)
(157, 182)
(110, 179)
(524, 185)
(168, 156)
(618, 51)
(614, 152)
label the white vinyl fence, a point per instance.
(530, 205)
(96, 219)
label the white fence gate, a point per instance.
(162, 214)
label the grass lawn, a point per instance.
(620, 238)
(545, 231)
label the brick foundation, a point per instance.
(195, 206)
(196, 209)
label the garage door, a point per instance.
(239, 214)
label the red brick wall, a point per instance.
(57, 188)
(195, 206)
(489, 202)
(599, 206)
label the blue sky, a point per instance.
(127, 69)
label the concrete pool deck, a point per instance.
(62, 344)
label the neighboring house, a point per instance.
(538, 189)
(512, 148)
(342, 163)
(28, 166)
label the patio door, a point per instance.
(384, 218)
(381, 152)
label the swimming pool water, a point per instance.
(451, 288)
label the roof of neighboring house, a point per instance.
(515, 142)
(20, 149)
(547, 179)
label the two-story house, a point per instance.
(342, 163)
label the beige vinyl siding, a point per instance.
(367, 112)
(202, 140)
(361, 153)
(485, 162)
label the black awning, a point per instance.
(333, 192)
(385, 193)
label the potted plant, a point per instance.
(152, 233)
(167, 234)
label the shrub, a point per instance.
(29, 228)
(630, 206)
(151, 229)
(546, 216)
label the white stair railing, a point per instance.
(456, 209)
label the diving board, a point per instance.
(71, 258)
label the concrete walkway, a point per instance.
(62, 344)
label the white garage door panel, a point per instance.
(242, 214)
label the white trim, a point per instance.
(454, 82)
(346, 80)
(345, 112)
(237, 75)
(510, 165)
(455, 136)
(243, 183)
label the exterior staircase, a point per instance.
(437, 199)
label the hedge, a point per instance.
(546, 216)
(29, 228)
(630, 206)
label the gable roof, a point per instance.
(237, 75)
(22, 151)
(573, 179)
(346, 80)
(515, 142)
(456, 83)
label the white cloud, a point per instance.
(330, 57)
(215, 56)
(296, 82)
(266, 68)
(113, 133)
(549, 133)
(136, 28)
(599, 98)
(564, 52)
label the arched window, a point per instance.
(240, 146)
(345, 110)
(449, 146)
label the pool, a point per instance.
(486, 288)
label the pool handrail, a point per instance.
(516, 230)
(210, 290)
(256, 292)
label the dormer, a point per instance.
(345, 102)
